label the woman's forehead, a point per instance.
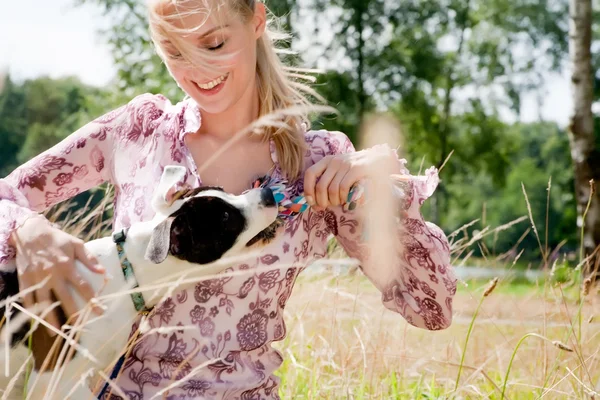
(193, 25)
(195, 16)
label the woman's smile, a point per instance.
(213, 87)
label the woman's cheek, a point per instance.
(180, 76)
(232, 63)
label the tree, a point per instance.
(536, 152)
(431, 62)
(38, 113)
(338, 90)
(357, 25)
(13, 124)
(584, 149)
(54, 108)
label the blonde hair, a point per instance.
(280, 88)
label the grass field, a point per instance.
(522, 341)
(342, 343)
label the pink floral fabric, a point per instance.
(235, 318)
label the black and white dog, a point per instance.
(193, 232)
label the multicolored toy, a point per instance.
(290, 206)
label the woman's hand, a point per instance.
(42, 251)
(328, 182)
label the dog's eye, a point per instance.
(225, 216)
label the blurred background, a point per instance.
(481, 88)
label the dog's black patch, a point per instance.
(204, 228)
(9, 286)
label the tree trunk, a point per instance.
(362, 95)
(440, 202)
(586, 158)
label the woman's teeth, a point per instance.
(210, 85)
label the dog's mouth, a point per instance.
(267, 234)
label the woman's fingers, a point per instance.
(42, 295)
(62, 293)
(335, 194)
(347, 182)
(25, 281)
(81, 285)
(310, 179)
(84, 289)
(88, 259)
(48, 255)
(322, 188)
(328, 182)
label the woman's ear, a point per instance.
(260, 19)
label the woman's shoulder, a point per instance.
(324, 143)
(148, 112)
(150, 102)
(151, 105)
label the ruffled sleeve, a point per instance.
(81, 161)
(418, 281)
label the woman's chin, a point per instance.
(210, 105)
(212, 108)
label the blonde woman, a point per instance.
(221, 53)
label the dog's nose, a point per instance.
(266, 198)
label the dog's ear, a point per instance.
(160, 242)
(172, 182)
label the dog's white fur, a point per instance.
(105, 337)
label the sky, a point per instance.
(54, 38)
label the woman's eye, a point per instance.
(217, 47)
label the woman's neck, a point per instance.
(226, 125)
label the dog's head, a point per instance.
(204, 224)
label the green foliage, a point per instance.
(338, 90)
(283, 9)
(562, 272)
(13, 124)
(540, 152)
(37, 114)
(446, 69)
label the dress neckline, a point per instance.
(191, 123)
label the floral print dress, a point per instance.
(228, 353)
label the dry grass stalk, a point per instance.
(562, 346)
(587, 284)
(535, 231)
(491, 287)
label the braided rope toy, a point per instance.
(290, 206)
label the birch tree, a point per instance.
(584, 152)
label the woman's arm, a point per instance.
(81, 161)
(418, 282)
